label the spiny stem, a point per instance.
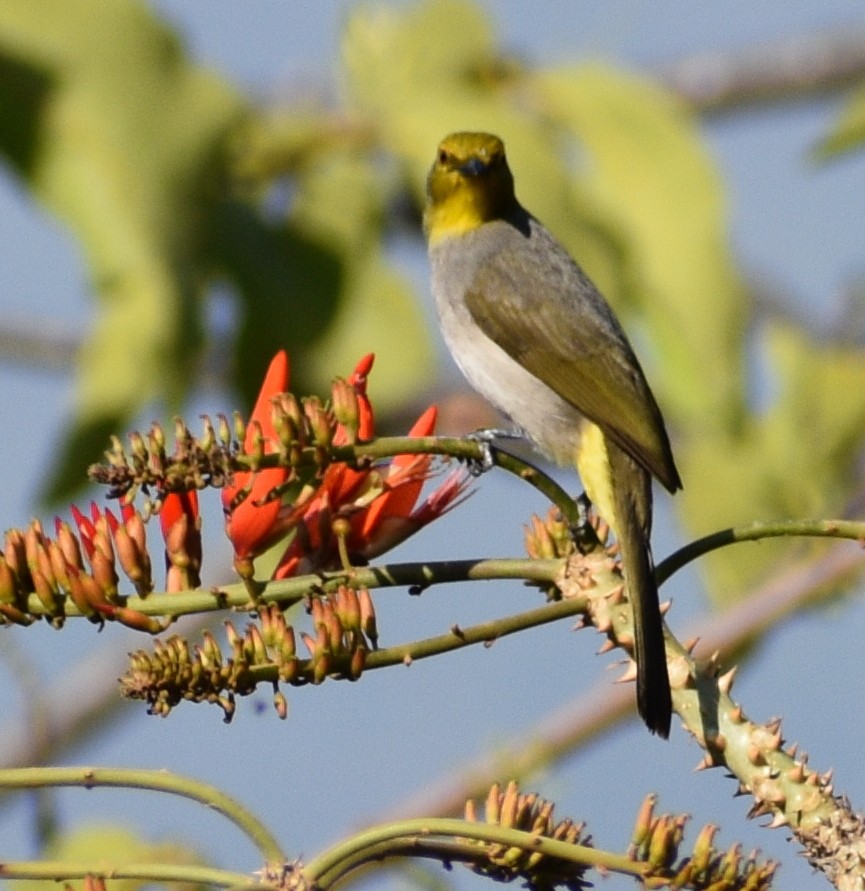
(156, 781)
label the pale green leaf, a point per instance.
(341, 200)
(647, 167)
(848, 133)
(124, 143)
(106, 845)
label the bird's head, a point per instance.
(469, 183)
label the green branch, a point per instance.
(334, 864)
(455, 639)
(156, 781)
(58, 870)
(288, 592)
(848, 529)
(464, 449)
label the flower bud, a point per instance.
(15, 553)
(367, 617)
(8, 583)
(346, 409)
(357, 663)
(280, 703)
(67, 541)
(320, 424)
(207, 440)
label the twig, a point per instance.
(794, 68)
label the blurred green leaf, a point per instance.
(110, 844)
(125, 143)
(288, 287)
(848, 134)
(648, 168)
(435, 46)
(798, 459)
(26, 90)
(341, 200)
(817, 426)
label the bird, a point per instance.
(532, 334)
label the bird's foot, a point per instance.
(485, 439)
(583, 532)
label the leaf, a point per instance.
(289, 285)
(341, 201)
(646, 165)
(124, 140)
(800, 458)
(111, 845)
(848, 133)
(436, 46)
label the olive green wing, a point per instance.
(548, 316)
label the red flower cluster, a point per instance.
(354, 514)
(342, 516)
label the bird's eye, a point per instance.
(444, 156)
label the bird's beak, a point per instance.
(474, 167)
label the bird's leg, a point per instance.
(485, 438)
(583, 532)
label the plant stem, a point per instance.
(754, 532)
(156, 781)
(332, 865)
(465, 449)
(291, 591)
(58, 870)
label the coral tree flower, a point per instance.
(251, 523)
(353, 514)
(372, 510)
(181, 532)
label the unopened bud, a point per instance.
(104, 574)
(223, 429)
(239, 427)
(367, 617)
(346, 409)
(704, 850)
(132, 618)
(58, 565)
(643, 825)
(661, 850)
(319, 422)
(280, 703)
(16, 557)
(116, 455)
(138, 447)
(8, 583)
(14, 616)
(347, 607)
(207, 440)
(357, 663)
(256, 646)
(68, 544)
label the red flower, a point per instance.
(366, 512)
(181, 531)
(372, 510)
(251, 523)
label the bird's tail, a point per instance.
(632, 494)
